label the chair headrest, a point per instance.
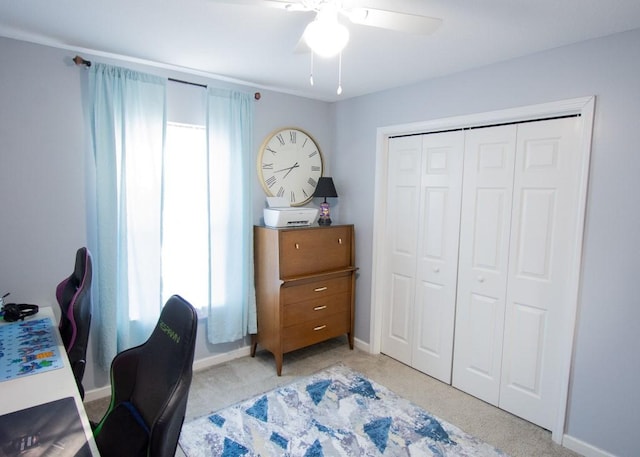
(82, 272)
(176, 321)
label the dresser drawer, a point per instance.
(314, 250)
(296, 313)
(315, 331)
(316, 289)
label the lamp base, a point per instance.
(324, 218)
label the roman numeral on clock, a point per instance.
(271, 180)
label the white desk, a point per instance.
(36, 389)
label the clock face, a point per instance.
(289, 165)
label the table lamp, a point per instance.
(325, 188)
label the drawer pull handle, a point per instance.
(297, 246)
(320, 289)
(320, 308)
(320, 327)
(339, 240)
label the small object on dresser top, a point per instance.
(280, 214)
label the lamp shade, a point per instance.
(325, 188)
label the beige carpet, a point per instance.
(231, 382)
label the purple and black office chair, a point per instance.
(149, 388)
(74, 298)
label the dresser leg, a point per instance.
(254, 345)
(278, 363)
(350, 338)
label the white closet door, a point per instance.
(544, 223)
(483, 260)
(437, 253)
(401, 240)
(422, 228)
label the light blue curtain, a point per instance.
(232, 307)
(127, 110)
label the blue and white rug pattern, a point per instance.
(336, 412)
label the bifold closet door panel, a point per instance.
(544, 222)
(422, 227)
(401, 240)
(483, 260)
(437, 253)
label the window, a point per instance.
(185, 251)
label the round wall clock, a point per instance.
(289, 165)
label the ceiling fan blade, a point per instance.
(301, 47)
(393, 20)
(288, 5)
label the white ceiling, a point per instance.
(256, 45)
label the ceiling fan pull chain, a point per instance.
(311, 71)
(339, 91)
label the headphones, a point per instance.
(17, 312)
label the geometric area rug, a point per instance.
(335, 412)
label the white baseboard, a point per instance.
(97, 394)
(207, 362)
(361, 345)
(585, 449)
(200, 364)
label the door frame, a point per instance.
(583, 106)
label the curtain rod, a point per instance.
(87, 63)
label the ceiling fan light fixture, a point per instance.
(325, 37)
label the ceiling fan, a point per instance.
(326, 36)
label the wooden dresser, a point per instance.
(305, 286)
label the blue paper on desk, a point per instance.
(28, 347)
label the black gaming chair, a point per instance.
(74, 298)
(149, 388)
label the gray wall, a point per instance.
(604, 399)
(44, 206)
